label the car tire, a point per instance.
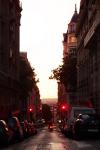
(77, 132)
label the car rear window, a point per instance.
(12, 122)
(84, 111)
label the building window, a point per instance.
(72, 39)
(11, 53)
(71, 28)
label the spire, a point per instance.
(75, 9)
(75, 15)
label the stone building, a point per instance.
(71, 53)
(30, 103)
(71, 35)
(10, 13)
(88, 53)
(65, 95)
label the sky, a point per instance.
(43, 23)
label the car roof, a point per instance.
(77, 107)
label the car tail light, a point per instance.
(6, 129)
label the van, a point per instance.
(73, 113)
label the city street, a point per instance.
(55, 140)
(49, 75)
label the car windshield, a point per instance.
(82, 111)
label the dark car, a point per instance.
(24, 125)
(32, 130)
(50, 126)
(15, 126)
(86, 124)
(6, 134)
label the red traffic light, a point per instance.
(63, 107)
(30, 109)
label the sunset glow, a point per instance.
(43, 23)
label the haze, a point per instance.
(43, 23)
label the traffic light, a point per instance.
(30, 109)
(63, 107)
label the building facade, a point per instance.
(71, 54)
(71, 34)
(88, 53)
(30, 96)
(10, 13)
(65, 95)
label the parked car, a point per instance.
(40, 123)
(35, 128)
(86, 124)
(6, 134)
(32, 130)
(24, 125)
(72, 115)
(14, 125)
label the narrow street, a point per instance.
(55, 140)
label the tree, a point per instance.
(27, 77)
(66, 73)
(56, 73)
(46, 112)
